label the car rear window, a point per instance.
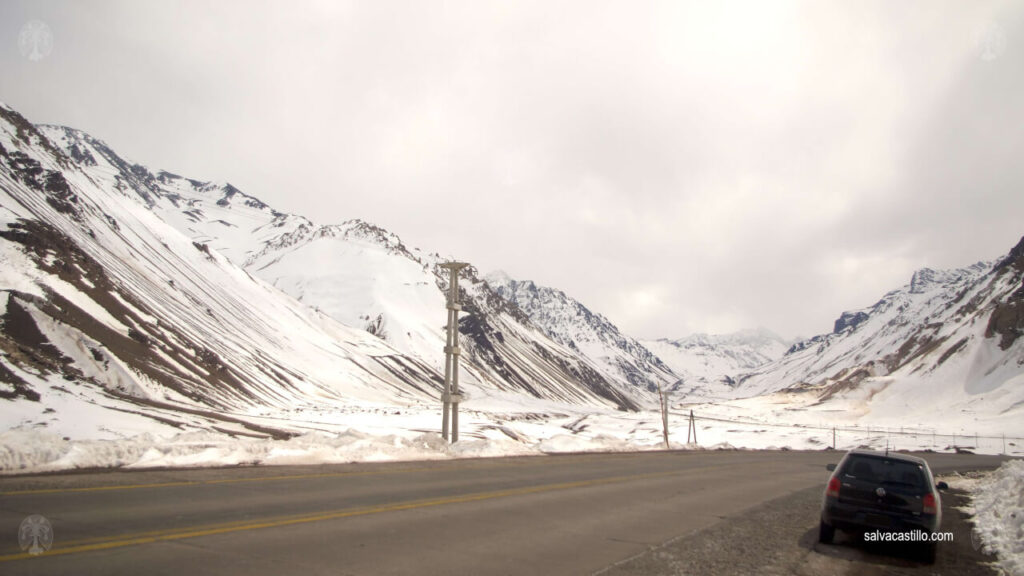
(884, 471)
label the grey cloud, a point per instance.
(676, 166)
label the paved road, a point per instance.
(572, 514)
(780, 538)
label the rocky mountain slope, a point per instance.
(365, 276)
(106, 303)
(572, 324)
(948, 343)
(354, 273)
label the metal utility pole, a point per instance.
(451, 396)
(663, 398)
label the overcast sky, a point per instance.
(678, 167)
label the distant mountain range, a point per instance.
(710, 363)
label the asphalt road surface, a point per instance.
(570, 514)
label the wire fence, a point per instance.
(852, 435)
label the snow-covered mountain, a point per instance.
(713, 361)
(571, 323)
(365, 276)
(107, 305)
(357, 274)
(944, 345)
(189, 304)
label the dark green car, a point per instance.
(883, 494)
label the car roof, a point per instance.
(890, 456)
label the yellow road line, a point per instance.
(95, 488)
(115, 487)
(242, 526)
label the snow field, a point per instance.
(77, 432)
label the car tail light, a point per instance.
(928, 504)
(833, 489)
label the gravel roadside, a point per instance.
(781, 537)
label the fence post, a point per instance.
(692, 427)
(663, 397)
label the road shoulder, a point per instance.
(781, 537)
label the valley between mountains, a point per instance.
(150, 319)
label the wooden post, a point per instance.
(833, 437)
(663, 402)
(691, 427)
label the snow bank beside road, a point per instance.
(26, 450)
(23, 451)
(80, 434)
(999, 515)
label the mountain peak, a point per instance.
(230, 192)
(927, 279)
(498, 278)
(1015, 258)
(360, 229)
(849, 321)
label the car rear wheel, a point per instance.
(826, 533)
(929, 552)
